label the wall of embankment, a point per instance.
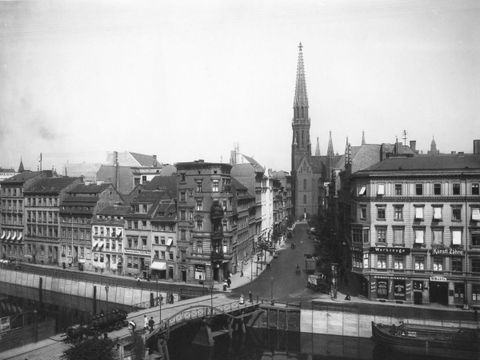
(354, 319)
(47, 286)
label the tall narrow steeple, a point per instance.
(300, 99)
(330, 145)
(20, 167)
(317, 149)
(363, 137)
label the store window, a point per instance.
(382, 288)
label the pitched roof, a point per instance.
(145, 160)
(125, 177)
(363, 156)
(22, 177)
(254, 163)
(115, 210)
(51, 185)
(428, 163)
(164, 183)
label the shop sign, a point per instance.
(418, 285)
(447, 251)
(438, 278)
(399, 290)
(390, 250)
(382, 288)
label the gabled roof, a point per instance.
(145, 160)
(51, 185)
(167, 184)
(363, 156)
(257, 167)
(460, 162)
(166, 211)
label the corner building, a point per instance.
(415, 237)
(205, 219)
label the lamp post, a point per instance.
(211, 299)
(106, 293)
(160, 314)
(271, 290)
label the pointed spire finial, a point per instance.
(317, 149)
(20, 167)
(300, 86)
(330, 145)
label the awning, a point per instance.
(476, 214)
(8, 236)
(100, 247)
(362, 190)
(119, 232)
(158, 265)
(20, 236)
(169, 241)
(95, 243)
(3, 235)
(14, 236)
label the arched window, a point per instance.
(304, 184)
(303, 138)
(304, 199)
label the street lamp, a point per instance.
(271, 290)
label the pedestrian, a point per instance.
(225, 285)
(250, 296)
(132, 325)
(241, 301)
(229, 282)
(171, 298)
(151, 323)
(145, 322)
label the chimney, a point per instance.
(155, 163)
(476, 147)
(413, 145)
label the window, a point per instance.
(418, 189)
(381, 212)
(170, 255)
(419, 212)
(366, 236)
(457, 264)
(381, 261)
(183, 234)
(365, 261)
(437, 213)
(437, 236)
(144, 242)
(357, 235)
(380, 189)
(199, 186)
(182, 195)
(304, 199)
(304, 184)
(183, 215)
(162, 254)
(398, 233)
(476, 189)
(199, 204)
(456, 237)
(476, 265)
(363, 212)
(475, 293)
(476, 213)
(199, 224)
(215, 185)
(362, 191)
(199, 247)
(419, 263)
(398, 212)
(438, 263)
(157, 240)
(162, 240)
(399, 262)
(357, 259)
(456, 189)
(475, 238)
(456, 213)
(381, 234)
(419, 236)
(437, 189)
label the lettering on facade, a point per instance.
(447, 252)
(438, 278)
(390, 250)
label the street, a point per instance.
(280, 280)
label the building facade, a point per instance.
(415, 236)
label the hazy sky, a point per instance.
(187, 79)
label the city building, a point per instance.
(77, 210)
(108, 234)
(12, 226)
(415, 234)
(205, 219)
(42, 206)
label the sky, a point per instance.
(187, 80)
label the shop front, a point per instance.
(438, 292)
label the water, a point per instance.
(263, 344)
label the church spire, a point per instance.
(300, 99)
(330, 145)
(363, 137)
(317, 149)
(20, 167)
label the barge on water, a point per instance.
(435, 341)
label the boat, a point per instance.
(425, 340)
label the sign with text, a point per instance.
(448, 252)
(390, 250)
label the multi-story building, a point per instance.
(12, 213)
(205, 219)
(42, 206)
(415, 236)
(77, 210)
(108, 234)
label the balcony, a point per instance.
(216, 212)
(217, 256)
(217, 235)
